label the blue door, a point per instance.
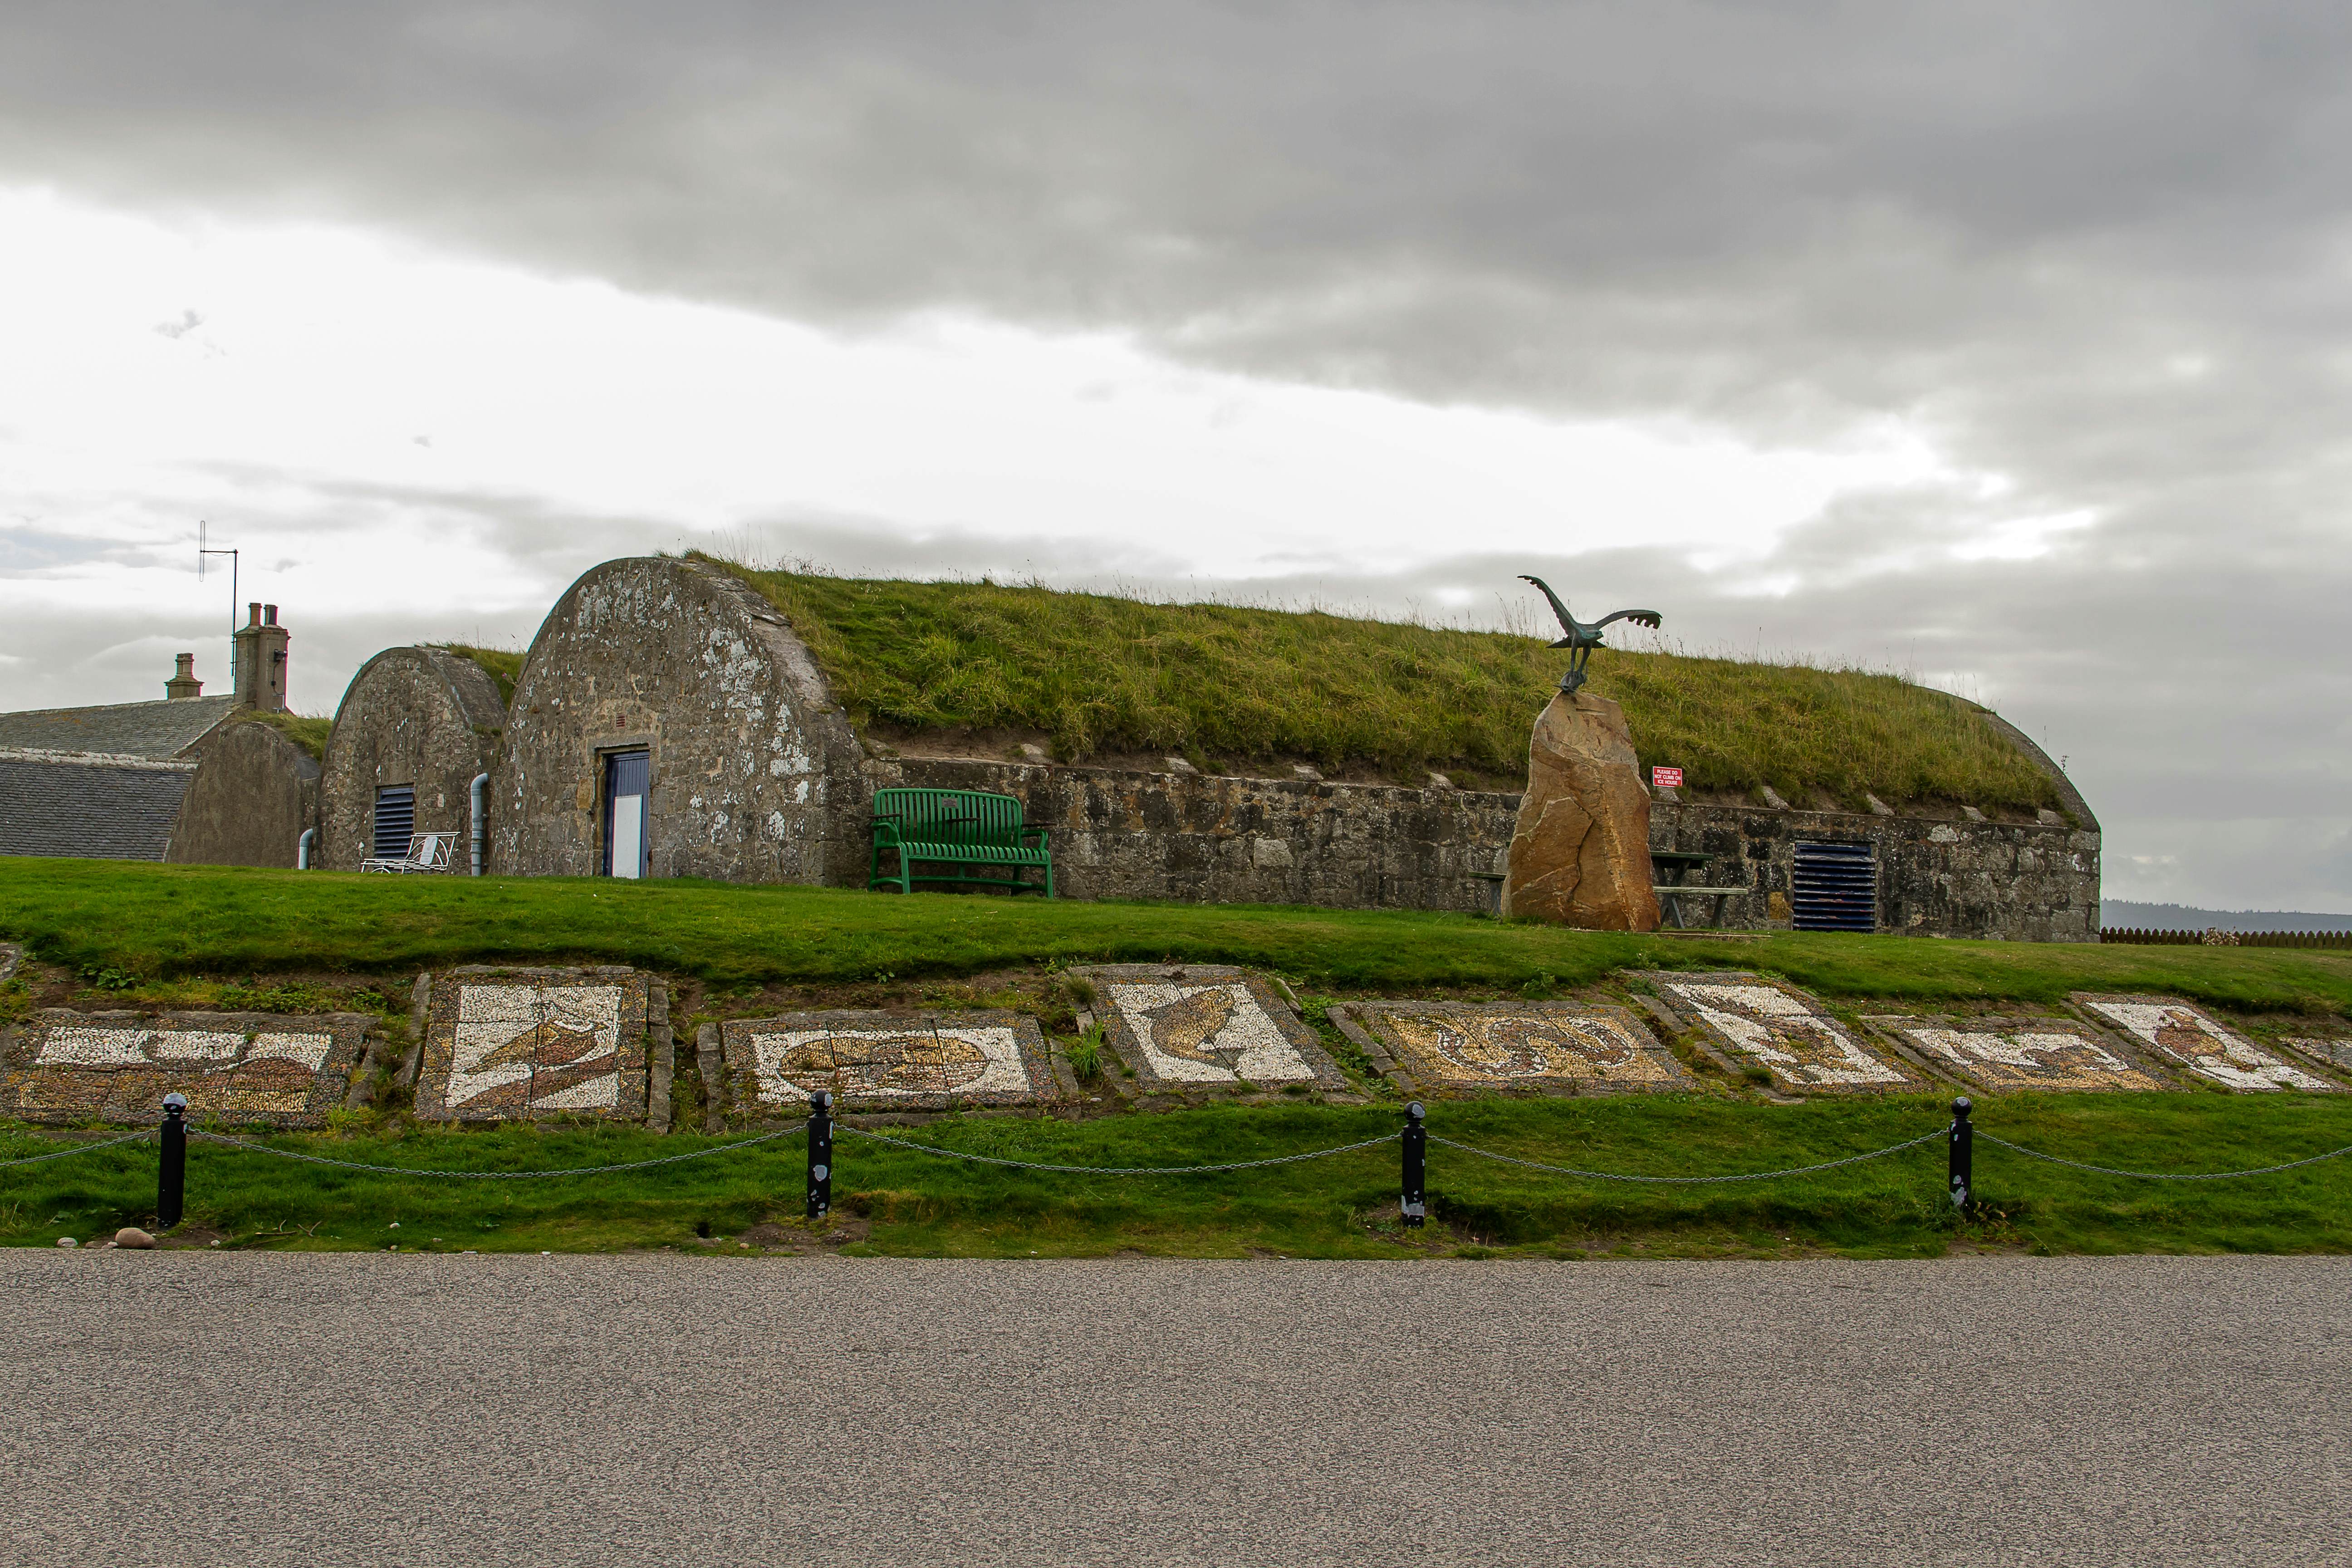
(628, 777)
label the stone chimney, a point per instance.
(184, 684)
(261, 661)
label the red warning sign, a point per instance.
(1666, 778)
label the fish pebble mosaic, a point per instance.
(259, 1067)
(1440, 1048)
(881, 1060)
(1186, 1027)
(507, 1044)
(1779, 1029)
(2185, 1036)
(2008, 1054)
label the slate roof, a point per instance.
(92, 809)
(156, 731)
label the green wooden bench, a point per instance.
(968, 830)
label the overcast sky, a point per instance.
(2002, 344)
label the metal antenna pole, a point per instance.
(201, 552)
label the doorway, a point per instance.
(627, 779)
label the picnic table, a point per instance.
(1681, 863)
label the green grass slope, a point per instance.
(169, 920)
(1229, 686)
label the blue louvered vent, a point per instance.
(1836, 887)
(395, 820)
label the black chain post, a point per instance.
(820, 1155)
(171, 1171)
(1416, 1164)
(1963, 1141)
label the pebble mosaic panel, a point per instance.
(2001, 1054)
(1781, 1030)
(1440, 1048)
(2179, 1033)
(885, 1061)
(503, 1044)
(1197, 1026)
(2328, 1053)
(67, 1067)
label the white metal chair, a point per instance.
(427, 852)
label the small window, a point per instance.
(627, 777)
(1834, 887)
(395, 820)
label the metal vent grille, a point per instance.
(395, 820)
(1834, 887)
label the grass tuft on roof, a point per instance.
(504, 666)
(306, 731)
(1236, 685)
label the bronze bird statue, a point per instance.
(1584, 636)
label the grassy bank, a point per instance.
(159, 922)
(1226, 686)
(159, 935)
(896, 1201)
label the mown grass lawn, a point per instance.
(167, 920)
(133, 923)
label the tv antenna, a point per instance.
(201, 552)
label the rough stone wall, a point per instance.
(254, 792)
(418, 716)
(754, 769)
(2020, 881)
(1202, 839)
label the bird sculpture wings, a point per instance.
(1584, 636)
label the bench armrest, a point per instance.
(1026, 830)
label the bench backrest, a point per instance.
(951, 815)
(430, 851)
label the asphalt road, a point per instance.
(251, 1408)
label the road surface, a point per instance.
(256, 1409)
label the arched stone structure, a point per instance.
(421, 717)
(751, 773)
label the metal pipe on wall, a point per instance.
(302, 848)
(480, 793)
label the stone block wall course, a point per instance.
(1210, 838)
(2017, 881)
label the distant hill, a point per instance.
(2122, 914)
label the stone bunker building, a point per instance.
(417, 726)
(191, 778)
(668, 721)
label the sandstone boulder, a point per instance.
(1581, 854)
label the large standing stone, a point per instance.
(1581, 855)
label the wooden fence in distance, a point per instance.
(2335, 939)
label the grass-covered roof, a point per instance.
(1227, 685)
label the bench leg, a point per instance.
(1675, 911)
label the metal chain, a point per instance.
(1690, 1181)
(493, 1175)
(77, 1148)
(2162, 1175)
(1115, 1169)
